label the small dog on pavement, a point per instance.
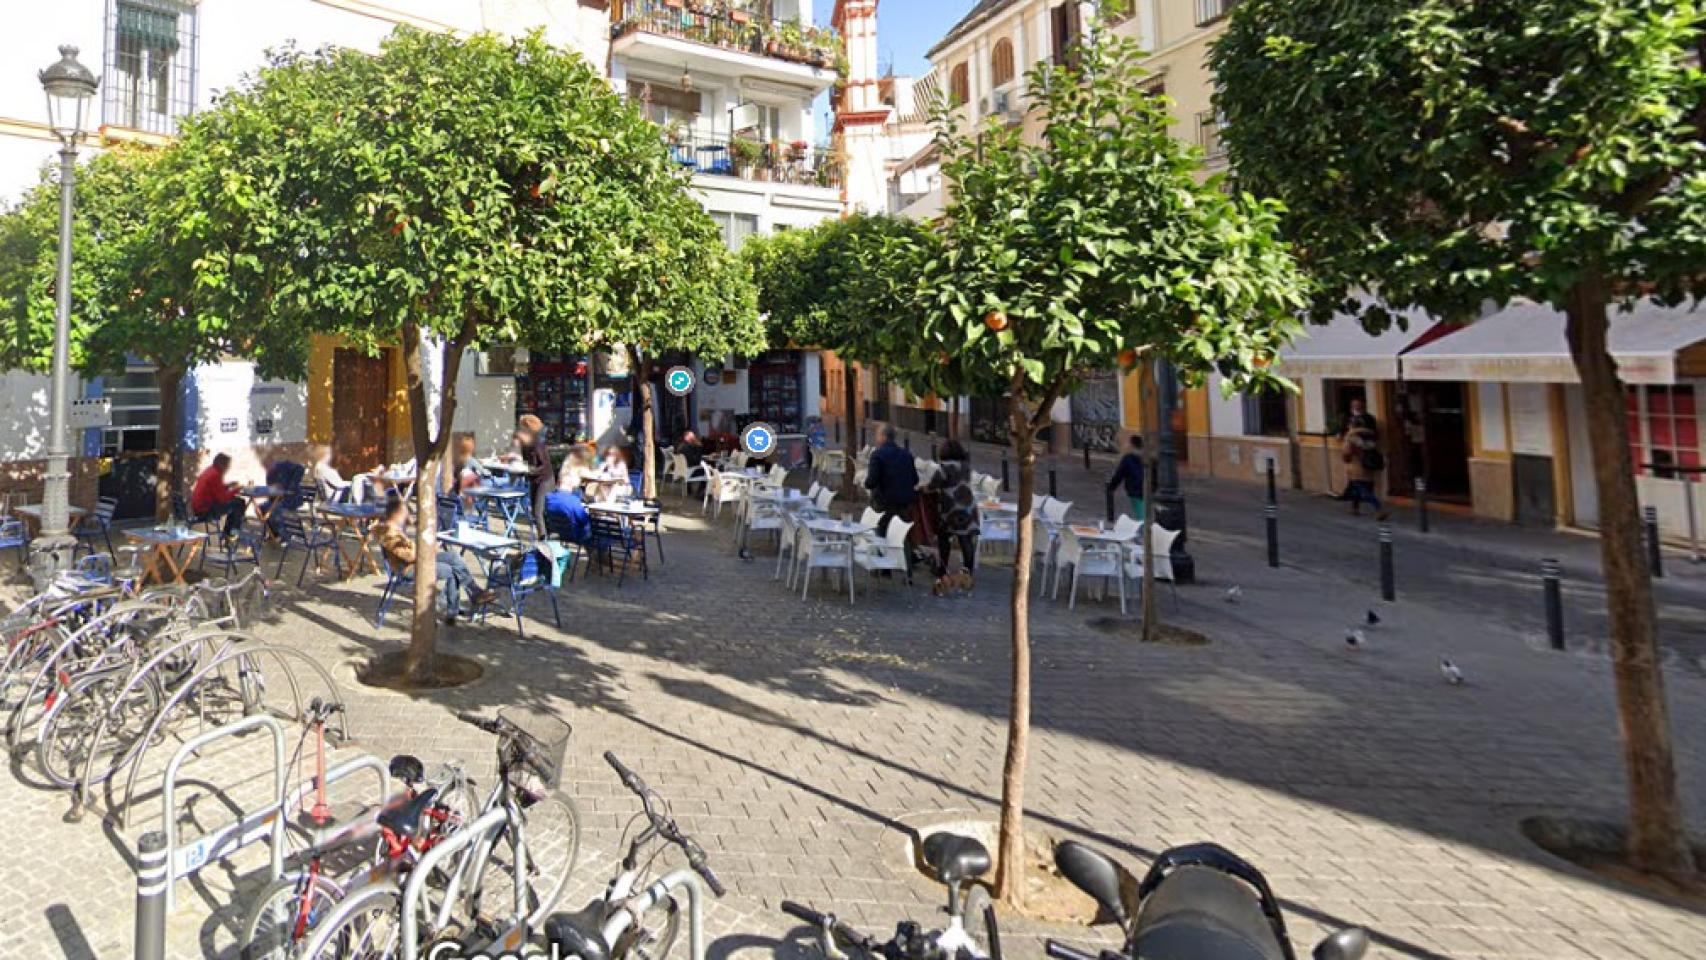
(956, 584)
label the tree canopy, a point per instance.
(458, 191)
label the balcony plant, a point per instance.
(791, 40)
(745, 152)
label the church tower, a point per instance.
(860, 114)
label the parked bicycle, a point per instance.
(957, 862)
(1197, 902)
(523, 842)
(639, 917)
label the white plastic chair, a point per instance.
(825, 553)
(870, 518)
(831, 463)
(871, 553)
(825, 497)
(764, 516)
(723, 489)
(1163, 559)
(699, 474)
(788, 546)
(1054, 511)
(1045, 544)
(811, 491)
(675, 469)
(1126, 528)
(1089, 559)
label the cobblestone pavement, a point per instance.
(802, 742)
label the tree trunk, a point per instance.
(641, 364)
(1658, 841)
(1149, 401)
(430, 441)
(954, 418)
(850, 446)
(168, 465)
(1010, 855)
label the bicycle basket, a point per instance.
(540, 744)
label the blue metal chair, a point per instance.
(311, 539)
(451, 512)
(244, 548)
(610, 539)
(523, 577)
(13, 533)
(395, 582)
(97, 524)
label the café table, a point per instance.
(509, 501)
(264, 500)
(633, 514)
(357, 518)
(34, 512)
(487, 546)
(174, 549)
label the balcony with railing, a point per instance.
(1210, 127)
(797, 163)
(720, 32)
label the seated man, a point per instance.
(566, 517)
(285, 478)
(213, 497)
(455, 580)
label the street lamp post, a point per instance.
(69, 86)
(1169, 500)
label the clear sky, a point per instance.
(907, 28)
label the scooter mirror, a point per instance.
(1094, 874)
(1348, 944)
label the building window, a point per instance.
(665, 104)
(959, 85)
(1208, 11)
(149, 64)
(1001, 63)
(1067, 30)
(1209, 127)
(1664, 429)
(736, 227)
(1265, 414)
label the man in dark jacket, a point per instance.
(892, 478)
(1130, 474)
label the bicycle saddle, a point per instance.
(955, 858)
(408, 769)
(403, 817)
(578, 934)
(1199, 912)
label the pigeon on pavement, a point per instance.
(1355, 639)
(1234, 593)
(1373, 619)
(1450, 672)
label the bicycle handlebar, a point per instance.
(821, 921)
(490, 726)
(666, 827)
(1064, 951)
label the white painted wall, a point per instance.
(485, 406)
(1490, 411)
(230, 396)
(1225, 414)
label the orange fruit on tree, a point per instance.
(995, 320)
(1128, 358)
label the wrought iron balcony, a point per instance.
(797, 163)
(743, 26)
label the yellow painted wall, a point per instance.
(1196, 411)
(320, 352)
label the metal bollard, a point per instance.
(1273, 484)
(838, 432)
(1551, 582)
(1005, 485)
(1421, 504)
(908, 440)
(1655, 557)
(1693, 521)
(864, 435)
(1051, 482)
(151, 897)
(1388, 579)
(1271, 512)
(1110, 494)
(1086, 457)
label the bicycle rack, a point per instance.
(161, 862)
(236, 651)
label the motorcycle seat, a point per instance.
(578, 934)
(403, 817)
(955, 858)
(1199, 913)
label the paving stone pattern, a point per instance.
(801, 742)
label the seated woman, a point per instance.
(611, 480)
(332, 483)
(576, 470)
(455, 580)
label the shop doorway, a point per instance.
(1431, 440)
(360, 385)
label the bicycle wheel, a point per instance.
(553, 829)
(269, 932)
(654, 934)
(366, 926)
(72, 739)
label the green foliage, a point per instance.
(1061, 254)
(475, 188)
(134, 291)
(1455, 152)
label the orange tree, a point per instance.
(1450, 153)
(446, 194)
(1063, 254)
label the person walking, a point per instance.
(892, 478)
(1129, 474)
(956, 507)
(541, 479)
(1363, 465)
